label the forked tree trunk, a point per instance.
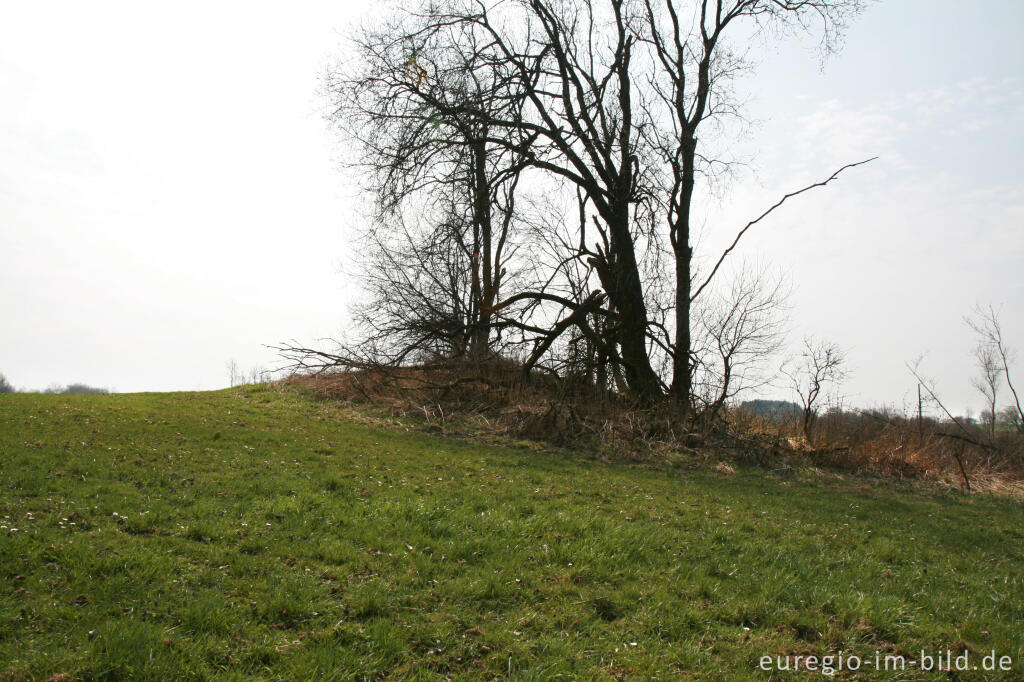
(621, 280)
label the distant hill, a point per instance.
(776, 409)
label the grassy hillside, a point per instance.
(254, 532)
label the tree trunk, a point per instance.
(483, 275)
(621, 280)
(808, 415)
(682, 374)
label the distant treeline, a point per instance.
(75, 389)
(70, 389)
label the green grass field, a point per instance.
(254, 532)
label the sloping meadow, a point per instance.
(257, 532)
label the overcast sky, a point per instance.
(169, 199)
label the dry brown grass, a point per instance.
(897, 447)
(494, 400)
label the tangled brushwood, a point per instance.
(495, 399)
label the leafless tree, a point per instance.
(600, 101)
(691, 86)
(440, 241)
(990, 375)
(5, 386)
(236, 377)
(820, 363)
(736, 333)
(993, 357)
(1009, 416)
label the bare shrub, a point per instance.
(819, 364)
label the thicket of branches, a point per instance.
(533, 166)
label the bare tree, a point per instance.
(736, 333)
(236, 377)
(819, 363)
(600, 101)
(439, 247)
(691, 86)
(1009, 416)
(5, 386)
(990, 375)
(993, 357)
